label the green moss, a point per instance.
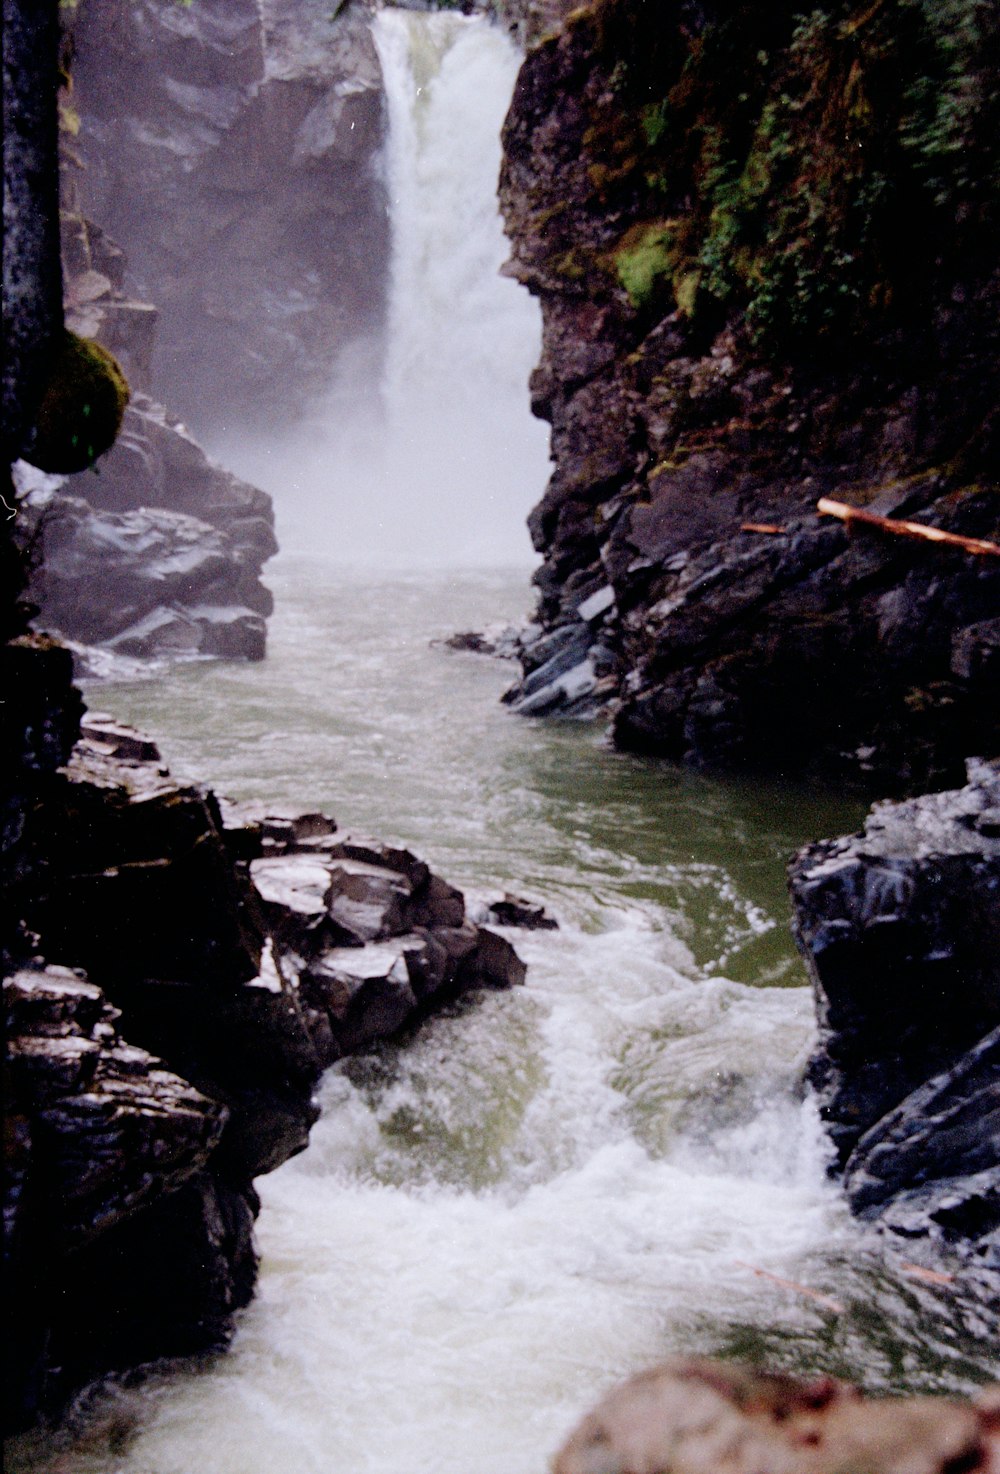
(825, 167)
(644, 261)
(571, 264)
(81, 408)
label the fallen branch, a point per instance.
(825, 1300)
(828, 508)
(931, 1276)
(771, 528)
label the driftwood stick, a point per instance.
(828, 508)
(827, 1301)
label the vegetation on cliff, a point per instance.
(764, 243)
(819, 171)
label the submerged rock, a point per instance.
(702, 1417)
(518, 911)
(900, 929)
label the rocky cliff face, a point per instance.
(174, 987)
(230, 147)
(900, 928)
(762, 245)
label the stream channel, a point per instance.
(543, 1190)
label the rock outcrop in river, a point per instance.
(900, 928)
(230, 147)
(155, 550)
(764, 246)
(174, 987)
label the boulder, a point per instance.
(701, 1417)
(371, 937)
(159, 555)
(900, 929)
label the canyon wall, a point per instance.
(764, 245)
(230, 147)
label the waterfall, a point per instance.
(425, 451)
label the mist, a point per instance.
(423, 451)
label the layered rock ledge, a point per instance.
(900, 929)
(179, 983)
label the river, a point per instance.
(543, 1190)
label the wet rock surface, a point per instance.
(156, 551)
(900, 929)
(689, 587)
(702, 1417)
(371, 938)
(176, 984)
(158, 554)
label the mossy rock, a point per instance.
(81, 408)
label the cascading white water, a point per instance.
(559, 1185)
(425, 451)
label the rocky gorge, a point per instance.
(156, 1068)
(248, 134)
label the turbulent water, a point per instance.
(424, 450)
(546, 1189)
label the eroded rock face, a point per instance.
(713, 363)
(156, 551)
(700, 1417)
(900, 928)
(229, 147)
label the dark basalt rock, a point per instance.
(700, 407)
(517, 911)
(900, 928)
(367, 934)
(102, 1131)
(156, 551)
(166, 1053)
